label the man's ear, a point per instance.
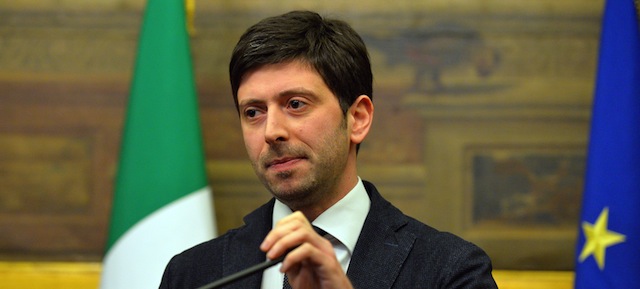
(361, 117)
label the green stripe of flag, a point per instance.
(162, 157)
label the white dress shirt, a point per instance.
(343, 222)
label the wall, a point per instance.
(482, 111)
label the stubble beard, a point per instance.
(302, 191)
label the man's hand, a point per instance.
(313, 263)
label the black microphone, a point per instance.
(244, 273)
(253, 269)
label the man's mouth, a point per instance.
(283, 163)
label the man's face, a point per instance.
(294, 131)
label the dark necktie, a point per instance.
(285, 283)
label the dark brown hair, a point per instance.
(329, 46)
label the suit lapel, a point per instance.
(382, 247)
(243, 250)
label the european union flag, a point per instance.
(608, 247)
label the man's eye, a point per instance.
(296, 104)
(250, 113)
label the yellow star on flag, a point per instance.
(598, 238)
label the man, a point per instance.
(303, 86)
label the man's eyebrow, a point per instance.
(250, 102)
(282, 94)
(297, 91)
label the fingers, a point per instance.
(311, 261)
(290, 232)
(305, 254)
(308, 267)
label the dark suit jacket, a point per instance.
(393, 251)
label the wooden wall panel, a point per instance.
(57, 147)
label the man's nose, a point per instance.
(276, 127)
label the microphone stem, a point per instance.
(244, 273)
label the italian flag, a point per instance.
(162, 204)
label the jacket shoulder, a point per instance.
(198, 265)
(435, 258)
(460, 263)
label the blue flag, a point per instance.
(608, 247)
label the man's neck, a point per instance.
(316, 207)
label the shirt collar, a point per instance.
(353, 207)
